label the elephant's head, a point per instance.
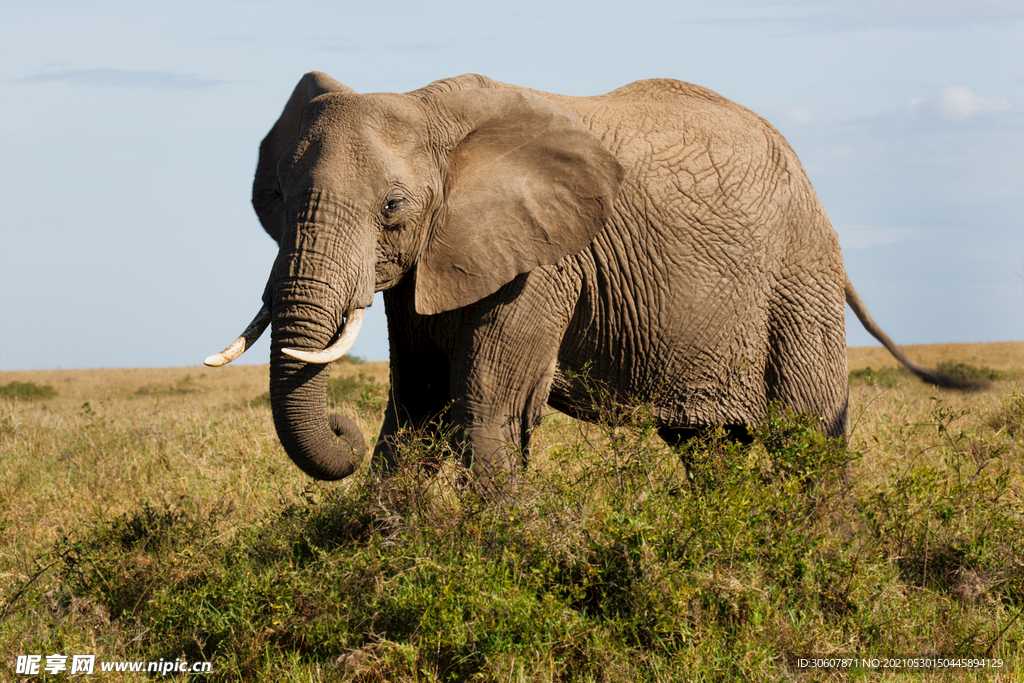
(462, 190)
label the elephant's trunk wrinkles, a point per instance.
(322, 275)
(324, 446)
(350, 331)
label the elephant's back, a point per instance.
(680, 289)
(717, 178)
(666, 89)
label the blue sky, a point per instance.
(129, 134)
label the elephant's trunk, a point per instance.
(324, 270)
(324, 446)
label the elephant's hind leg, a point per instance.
(806, 368)
(819, 387)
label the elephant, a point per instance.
(658, 241)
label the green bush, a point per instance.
(184, 386)
(261, 401)
(953, 523)
(883, 377)
(28, 391)
(966, 371)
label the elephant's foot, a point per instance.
(494, 458)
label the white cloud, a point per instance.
(957, 103)
(801, 116)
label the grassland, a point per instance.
(151, 514)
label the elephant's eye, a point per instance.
(391, 207)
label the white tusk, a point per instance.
(353, 322)
(248, 338)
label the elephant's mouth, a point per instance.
(346, 338)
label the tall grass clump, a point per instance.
(1010, 418)
(953, 526)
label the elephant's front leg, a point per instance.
(503, 368)
(420, 377)
(495, 421)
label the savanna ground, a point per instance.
(151, 514)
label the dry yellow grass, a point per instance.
(893, 425)
(115, 438)
(995, 355)
(149, 387)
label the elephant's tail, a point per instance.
(925, 374)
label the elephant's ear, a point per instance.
(527, 184)
(266, 191)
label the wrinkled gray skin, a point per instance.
(659, 241)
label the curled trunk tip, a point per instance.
(325, 446)
(335, 458)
